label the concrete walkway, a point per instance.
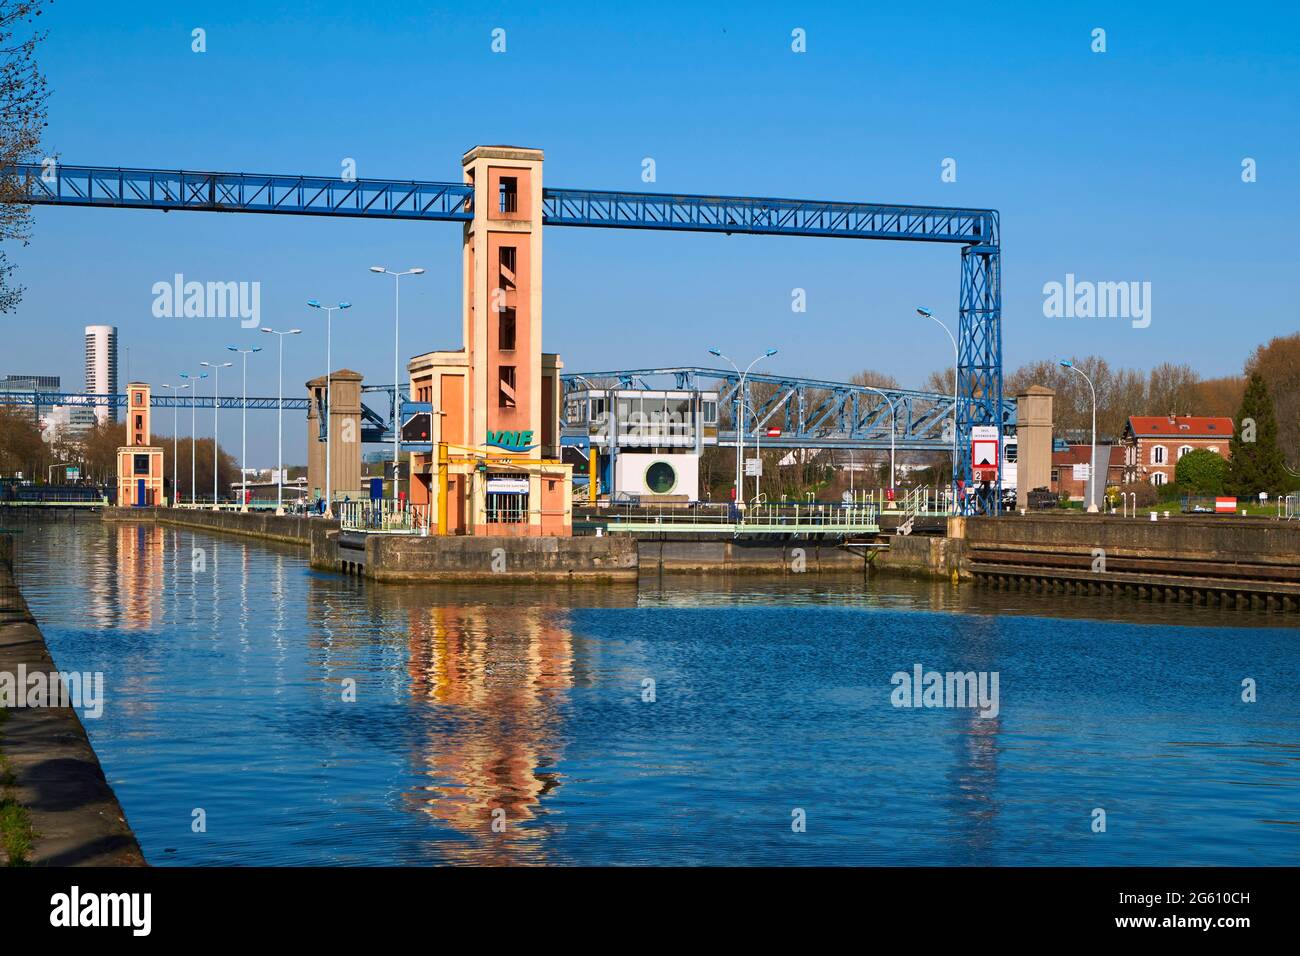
(74, 813)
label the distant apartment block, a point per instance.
(101, 366)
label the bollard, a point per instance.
(1155, 516)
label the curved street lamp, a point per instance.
(279, 420)
(194, 434)
(216, 406)
(176, 411)
(740, 417)
(927, 314)
(329, 311)
(397, 325)
(243, 441)
(1092, 459)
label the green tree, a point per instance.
(1257, 463)
(1201, 472)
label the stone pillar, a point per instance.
(1033, 441)
(345, 435)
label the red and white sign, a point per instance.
(1225, 505)
(984, 451)
(774, 432)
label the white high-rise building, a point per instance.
(101, 366)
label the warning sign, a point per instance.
(984, 451)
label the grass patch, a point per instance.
(16, 834)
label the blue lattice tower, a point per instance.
(979, 350)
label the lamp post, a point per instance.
(279, 421)
(176, 411)
(193, 431)
(740, 414)
(956, 361)
(892, 430)
(216, 407)
(397, 325)
(329, 311)
(1092, 458)
(243, 440)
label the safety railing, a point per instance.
(752, 519)
(383, 516)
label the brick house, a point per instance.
(1154, 443)
(1064, 460)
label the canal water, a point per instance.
(307, 718)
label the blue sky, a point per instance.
(1115, 166)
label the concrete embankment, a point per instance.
(1205, 560)
(393, 558)
(51, 770)
(487, 559)
(289, 529)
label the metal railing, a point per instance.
(754, 519)
(384, 516)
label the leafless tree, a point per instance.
(23, 96)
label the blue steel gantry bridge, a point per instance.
(812, 413)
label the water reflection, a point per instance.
(519, 707)
(497, 678)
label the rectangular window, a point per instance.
(141, 464)
(506, 387)
(508, 194)
(506, 508)
(506, 331)
(709, 412)
(139, 423)
(506, 261)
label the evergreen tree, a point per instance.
(1256, 464)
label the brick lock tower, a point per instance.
(496, 400)
(139, 463)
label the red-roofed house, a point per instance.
(1154, 443)
(1063, 469)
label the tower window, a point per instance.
(508, 194)
(506, 387)
(506, 331)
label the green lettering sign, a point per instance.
(514, 441)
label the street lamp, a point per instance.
(892, 431)
(193, 431)
(216, 407)
(279, 421)
(740, 415)
(243, 441)
(927, 314)
(397, 324)
(176, 411)
(1092, 460)
(329, 311)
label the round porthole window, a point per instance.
(661, 478)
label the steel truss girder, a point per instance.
(782, 217)
(47, 399)
(812, 413)
(169, 189)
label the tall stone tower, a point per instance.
(496, 400)
(139, 463)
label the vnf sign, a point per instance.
(512, 441)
